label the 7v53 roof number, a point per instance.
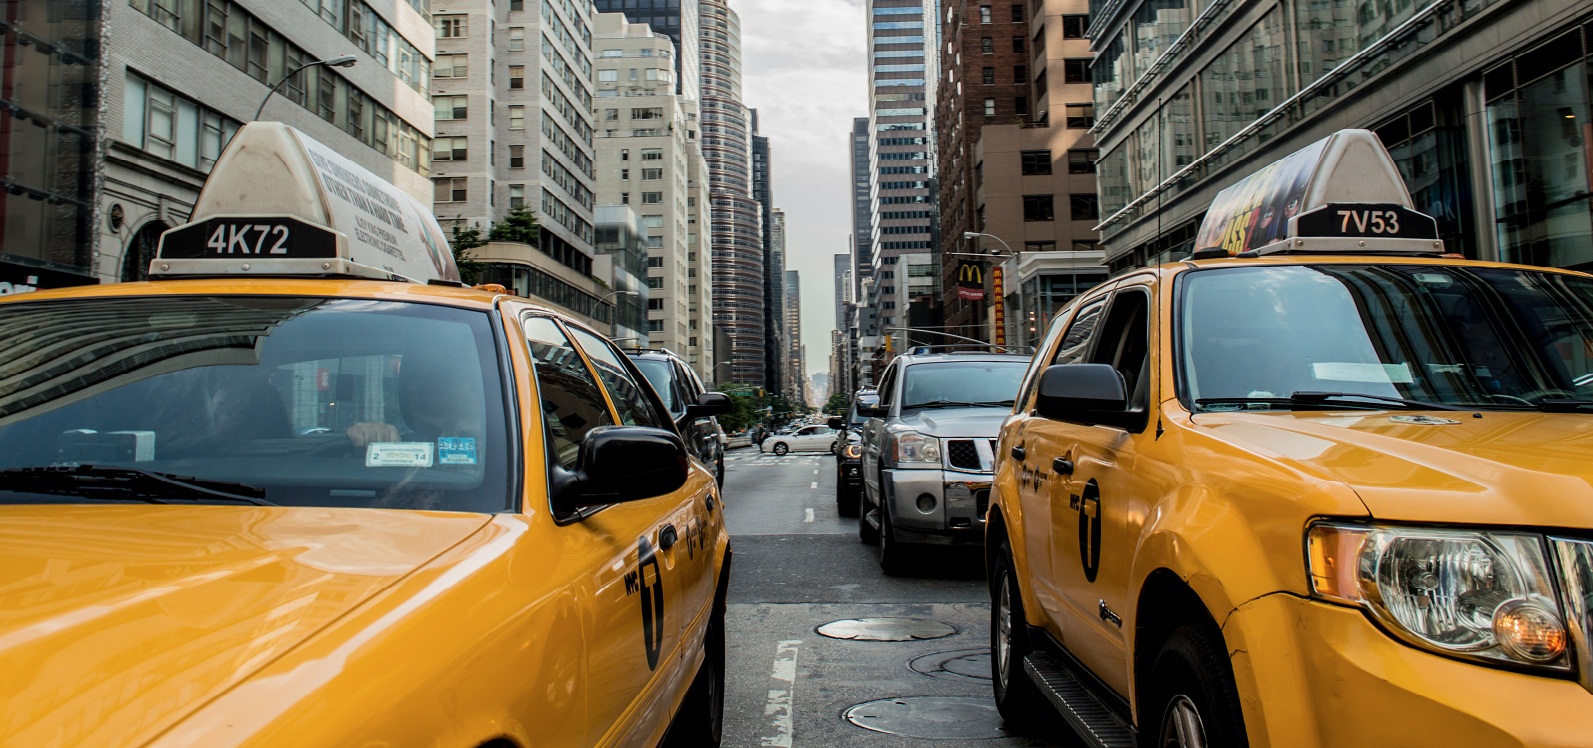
(249, 239)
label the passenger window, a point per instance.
(1125, 344)
(1032, 376)
(1076, 342)
(634, 403)
(887, 386)
(572, 404)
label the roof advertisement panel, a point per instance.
(1255, 211)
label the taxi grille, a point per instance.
(961, 454)
(1576, 575)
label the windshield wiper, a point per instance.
(1561, 404)
(956, 404)
(104, 481)
(1322, 398)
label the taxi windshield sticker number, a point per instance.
(225, 238)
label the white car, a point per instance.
(805, 439)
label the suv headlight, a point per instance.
(913, 448)
(1485, 596)
(852, 451)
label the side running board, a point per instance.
(1099, 726)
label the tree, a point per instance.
(464, 241)
(837, 405)
(519, 226)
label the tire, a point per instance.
(834, 447)
(719, 469)
(1017, 697)
(894, 556)
(780, 449)
(700, 722)
(1193, 701)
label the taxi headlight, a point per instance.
(913, 448)
(1484, 596)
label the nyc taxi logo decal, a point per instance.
(1089, 508)
(652, 599)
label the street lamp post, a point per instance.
(613, 324)
(343, 61)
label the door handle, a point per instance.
(1018, 453)
(1062, 466)
(667, 537)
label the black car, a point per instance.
(848, 461)
(690, 403)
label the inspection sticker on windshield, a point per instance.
(399, 454)
(1374, 373)
(456, 450)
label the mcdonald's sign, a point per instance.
(970, 281)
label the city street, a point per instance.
(798, 567)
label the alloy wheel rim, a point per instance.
(1004, 632)
(1182, 726)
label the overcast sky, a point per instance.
(806, 73)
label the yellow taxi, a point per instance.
(1319, 485)
(245, 506)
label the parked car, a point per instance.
(805, 439)
(849, 460)
(691, 405)
(928, 449)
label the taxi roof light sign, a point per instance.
(1340, 194)
(279, 203)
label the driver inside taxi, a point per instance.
(436, 399)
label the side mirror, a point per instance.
(709, 404)
(622, 463)
(1082, 393)
(835, 423)
(868, 405)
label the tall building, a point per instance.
(737, 234)
(622, 262)
(512, 93)
(862, 203)
(842, 342)
(795, 367)
(676, 20)
(112, 114)
(1484, 106)
(901, 73)
(775, 371)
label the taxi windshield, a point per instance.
(285, 400)
(1329, 335)
(962, 383)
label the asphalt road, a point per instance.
(798, 566)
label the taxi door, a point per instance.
(1037, 441)
(628, 584)
(1098, 494)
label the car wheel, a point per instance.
(1193, 701)
(833, 446)
(1017, 698)
(846, 499)
(700, 721)
(892, 552)
(780, 449)
(719, 470)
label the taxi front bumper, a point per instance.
(1313, 674)
(937, 506)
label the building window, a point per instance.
(516, 38)
(516, 196)
(451, 107)
(1085, 245)
(1080, 116)
(607, 76)
(989, 76)
(652, 198)
(451, 66)
(1038, 208)
(1017, 13)
(517, 157)
(1020, 73)
(1073, 27)
(1082, 160)
(1036, 162)
(1017, 44)
(516, 76)
(653, 221)
(990, 107)
(625, 154)
(655, 305)
(625, 174)
(1020, 105)
(453, 27)
(516, 4)
(449, 149)
(1039, 246)
(987, 45)
(1076, 70)
(450, 189)
(517, 117)
(652, 154)
(1086, 207)
(655, 325)
(652, 112)
(655, 283)
(984, 14)
(650, 175)
(173, 127)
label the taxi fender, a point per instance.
(999, 519)
(1198, 535)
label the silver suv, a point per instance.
(929, 450)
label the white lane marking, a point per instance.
(814, 484)
(808, 517)
(815, 471)
(778, 707)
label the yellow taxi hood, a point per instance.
(1529, 469)
(117, 621)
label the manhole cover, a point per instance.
(958, 664)
(930, 717)
(886, 629)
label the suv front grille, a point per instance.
(962, 454)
